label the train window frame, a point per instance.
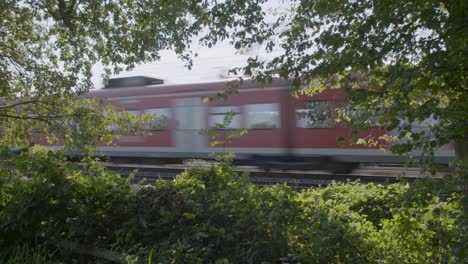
(364, 118)
(219, 112)
(158, 125)
(133, 112)
(263, 125)
(320, 124)
(111, 127)
(34, 129)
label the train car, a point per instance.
(282, 131)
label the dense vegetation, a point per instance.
(50, 211)
(214, 215)
(402, 63)
(414, 51)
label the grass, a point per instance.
(24, 254)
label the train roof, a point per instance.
(178, 88)
(132, 81)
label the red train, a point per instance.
(282, 131)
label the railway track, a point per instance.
(297, 179)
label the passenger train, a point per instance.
(283, 131)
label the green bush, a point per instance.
(49, 201)
(367, 223)
(216, 215)
(24, 254)
(210, 214)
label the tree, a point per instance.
(48, 49)
(403, 62)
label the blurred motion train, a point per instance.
(283, 131)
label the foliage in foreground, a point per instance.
(214, 215)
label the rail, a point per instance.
(297, 179)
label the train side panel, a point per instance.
(277, 123)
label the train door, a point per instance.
(190, 116)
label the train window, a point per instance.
(130, 101)
(134, 112)
(33, 124)
(262, 116)
(190, 117)
(112, 127)
(221, 114)
(315, 114)
(362, 117)
(161, 121)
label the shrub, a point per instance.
(210, 214)
(216, 215)
(55, 201)
(24, 254)
(367, 223)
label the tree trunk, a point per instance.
(461, 148)
(461, 153)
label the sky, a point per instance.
(211, 64)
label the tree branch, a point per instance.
(20, 103)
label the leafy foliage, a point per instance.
(316, 114)
(48, 50)
(367, 223)
(47, 200)
(222, 138)
(404, 68)
(24, 253)
(401, 67)
(215, 215)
